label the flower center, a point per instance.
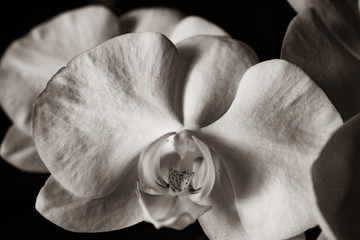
(178, 181)
(179, 165)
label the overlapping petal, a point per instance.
(336, 182)
(170, 22)
(268, 139)
(151, 19)
(213, 67)
(18, 149)
(100, 111)
(118, 210)
(31, 61)
(310, 45)
(194, 25)
(341, 17)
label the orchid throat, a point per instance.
(179, 167)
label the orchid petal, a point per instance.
(30, 62)
(149, 164)
(267, 140)
(118, 210)
(18, 149)
(194, 25)
(153, 19)
(99, 112)
(169, 211)
(209, 178)
(310, 45)
(336, 181)
(222, 220)
(342, 18)
(214, 66)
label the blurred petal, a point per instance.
(300, 5)
(32, 60)
(18, 149)
(168, 211)
(152, 19)
(194, 25)
(322, 237)
(118, 210)
(99, 112)
(341, 17)
(267, 140)
(298, 237)
(336, 180)
(214, 67)
(310, 45)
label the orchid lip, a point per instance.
(178, 170)
(177, 164)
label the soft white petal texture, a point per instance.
(222, 220)
(267, 140)
(341, 17)
(118, 210)
(99, 112)
(168, 211)
(18, 149)
(152, 19)
(31, 61)
(310, 45)
(214, 66)
(336, 181)
(194, 25)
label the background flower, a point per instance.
(326, 35)
(337, 183)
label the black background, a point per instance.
(259, 23)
